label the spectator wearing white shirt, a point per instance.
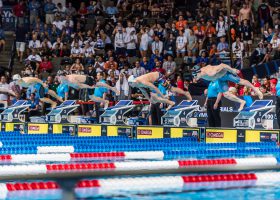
(34, 59)
(157, 44)
(131, 42)
(238, 47)
(69, 20)
(120, 42)
(144, 43)
(76, 51)
(88, 51)
(138, 70)
(60, 9)
(126, 70)
(221, 27)
(34, 43)
(275, 41)
(58, 23)
(129, 28)
(181, 43)
(99, 65)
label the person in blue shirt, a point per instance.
(33, 109)
(278, 101)
(49, 9)
(112, 10)
(63, 90)
(213, 104)
(33, 7)
(2, 39)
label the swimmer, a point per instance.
(224, 73)
(148, 81)
(41, 89)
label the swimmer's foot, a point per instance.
(242, 104)
(259, 93)
(170, 106)
(60, 99)
(53, 105)
(106, 104)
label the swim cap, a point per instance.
(16, 77)
(131, 79)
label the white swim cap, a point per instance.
(16, 77)
(131, 79)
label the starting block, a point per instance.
(116, 114)
(180, 115)
(58, 114)
(259, 115)
(14, 113)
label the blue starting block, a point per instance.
(180, 115)
(14, 113)
(259, 115)
(116, 114)
(58, 114)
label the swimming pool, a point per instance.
(66, 167)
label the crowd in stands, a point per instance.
(111, 40)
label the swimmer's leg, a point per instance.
(53, 94)
(99, 100)
(99, 84)
(156, 98)
(234, 98)
(180, 91)
(47, 100)
(248, 84)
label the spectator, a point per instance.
(70, 10)
(45, 66)
(19, 12)
(2, 39)
(145, 63)
(264, 16)
(123, 87)
(112, 10)
(158, 68)
(181, 23)
(221, 27)
(247, 36)
(34, 43)
(238, 48)
(76, 51)
(63, 90)
(170, 45)
(34, 8)
(181, 43)
(120, 42)
(138, 70)
(202, 60)
(77, 66)
(99, 64)
(4, 85)
(169, 67)
(34, 60)
(258, 55)
(223, 46)
(131, 42)
(144, 42)
(111, 63)
(61, 10)
(246, 13)
(199, 32)
(49, 9)
(126, 70)
(157, 45)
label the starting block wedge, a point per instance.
(180, 115)
(258, 116)
(116, 114)
(14, 113)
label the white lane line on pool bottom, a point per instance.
(157, 155)
(55, 149)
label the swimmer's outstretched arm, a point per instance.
(28, 81)
(151, 86)
(7, 91)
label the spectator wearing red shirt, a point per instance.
(18, 11)
(158, 68)
(45, 66)
(255, 81)
(273, 83)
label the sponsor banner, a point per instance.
(184, 132)
(89, 130)
(147, 132)
(64, 128)
(220, 135)
(262, 136)
(13, 126)
(37, 128)
(119, 131)
(8, 18)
